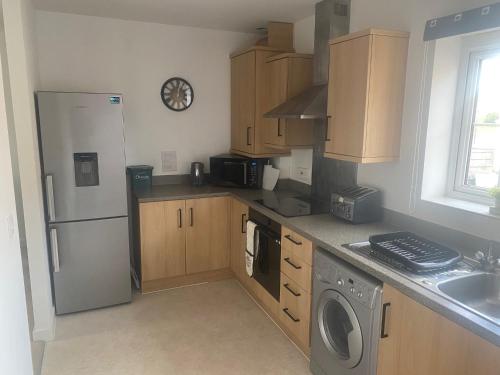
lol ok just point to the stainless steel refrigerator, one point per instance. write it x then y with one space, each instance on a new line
83 164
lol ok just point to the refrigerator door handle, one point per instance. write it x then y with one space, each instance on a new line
49 184
55 249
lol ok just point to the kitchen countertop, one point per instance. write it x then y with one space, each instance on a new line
331 234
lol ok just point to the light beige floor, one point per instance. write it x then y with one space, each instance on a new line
211 328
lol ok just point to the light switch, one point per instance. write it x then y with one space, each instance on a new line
169 161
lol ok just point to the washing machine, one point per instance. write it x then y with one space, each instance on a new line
345 323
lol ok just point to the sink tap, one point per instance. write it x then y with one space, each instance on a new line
487 260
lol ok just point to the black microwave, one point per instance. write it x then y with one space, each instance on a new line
237 171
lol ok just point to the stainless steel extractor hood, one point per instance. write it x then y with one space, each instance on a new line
308 105
332 19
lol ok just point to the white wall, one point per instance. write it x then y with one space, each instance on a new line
399 180
15 355
92 54
304 35
23 80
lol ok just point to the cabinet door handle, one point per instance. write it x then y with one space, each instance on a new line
279 128
191 216
51 207
287 286
248 136
180 217
289 238
243 223
385 306
292 264
54 246
327 138
294 319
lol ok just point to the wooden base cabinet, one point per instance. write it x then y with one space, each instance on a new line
365 96
420 341
163 233
239 217
296 286
207 234
184 242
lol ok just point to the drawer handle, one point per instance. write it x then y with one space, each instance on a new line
243 223
327 132
383 334
294 319
289 238
287 286
292 264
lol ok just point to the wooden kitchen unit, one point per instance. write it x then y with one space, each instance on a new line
183 242
190 241
296 287
249 102
239 217
420 341
289 75
365 96
293 311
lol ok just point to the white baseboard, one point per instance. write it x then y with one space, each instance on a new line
46 333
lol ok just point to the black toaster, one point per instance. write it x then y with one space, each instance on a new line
357 204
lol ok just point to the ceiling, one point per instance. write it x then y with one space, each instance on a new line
234 15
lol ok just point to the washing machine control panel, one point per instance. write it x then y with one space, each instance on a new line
352 283
354 288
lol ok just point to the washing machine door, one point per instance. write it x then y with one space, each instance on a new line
339 328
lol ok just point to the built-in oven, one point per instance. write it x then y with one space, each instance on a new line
237 171
267 240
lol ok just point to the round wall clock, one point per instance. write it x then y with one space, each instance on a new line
177 94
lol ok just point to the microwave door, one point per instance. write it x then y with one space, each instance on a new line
235 172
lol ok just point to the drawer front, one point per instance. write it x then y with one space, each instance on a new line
295 309
300 247
296 269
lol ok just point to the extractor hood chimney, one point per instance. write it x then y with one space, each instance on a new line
332 18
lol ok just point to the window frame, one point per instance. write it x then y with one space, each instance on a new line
465 108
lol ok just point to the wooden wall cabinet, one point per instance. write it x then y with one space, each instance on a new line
184 242
249 102
365 96
421 341
289 75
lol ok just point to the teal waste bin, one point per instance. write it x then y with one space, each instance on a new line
140 177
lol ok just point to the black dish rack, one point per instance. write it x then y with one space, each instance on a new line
413 252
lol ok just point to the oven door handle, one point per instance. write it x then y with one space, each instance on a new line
256 246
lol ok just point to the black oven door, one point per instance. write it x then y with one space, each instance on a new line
267 260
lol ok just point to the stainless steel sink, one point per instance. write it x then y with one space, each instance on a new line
480 292
466 285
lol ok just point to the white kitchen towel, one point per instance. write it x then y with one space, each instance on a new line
250 253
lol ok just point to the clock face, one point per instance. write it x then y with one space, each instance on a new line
177 94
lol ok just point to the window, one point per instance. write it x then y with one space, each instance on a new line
477 158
